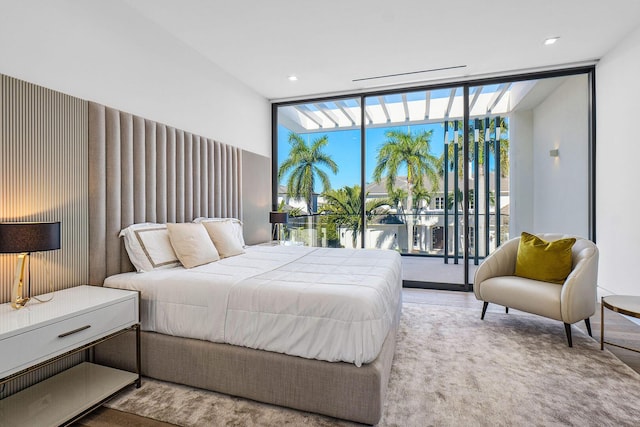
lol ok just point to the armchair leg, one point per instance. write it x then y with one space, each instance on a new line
484 309
567 329
587 322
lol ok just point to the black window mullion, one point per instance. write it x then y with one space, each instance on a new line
465 182
363 198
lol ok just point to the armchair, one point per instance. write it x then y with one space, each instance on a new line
570 302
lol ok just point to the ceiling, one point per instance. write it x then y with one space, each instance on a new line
340 46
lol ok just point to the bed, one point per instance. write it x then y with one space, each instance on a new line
350 384
308 328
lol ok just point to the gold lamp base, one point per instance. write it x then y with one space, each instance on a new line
17 300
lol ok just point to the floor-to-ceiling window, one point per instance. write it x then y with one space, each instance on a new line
447 172
319 173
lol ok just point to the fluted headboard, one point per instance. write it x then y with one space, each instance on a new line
143 171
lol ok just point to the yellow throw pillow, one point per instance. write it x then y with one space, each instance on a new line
545 261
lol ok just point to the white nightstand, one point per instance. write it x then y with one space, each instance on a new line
39 334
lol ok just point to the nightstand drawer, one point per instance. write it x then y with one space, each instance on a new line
37 345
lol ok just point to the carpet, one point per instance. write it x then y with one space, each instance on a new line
450 369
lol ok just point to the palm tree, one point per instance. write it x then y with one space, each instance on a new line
396 196
413 151
450 198
419 194
404 149
293 212
305 164
343 208
504 148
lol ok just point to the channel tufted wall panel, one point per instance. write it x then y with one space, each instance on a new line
143 171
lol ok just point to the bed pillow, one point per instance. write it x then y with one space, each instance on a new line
224 237
192 244
237 225
148 246
538 259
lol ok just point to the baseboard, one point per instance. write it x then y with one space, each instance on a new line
436 285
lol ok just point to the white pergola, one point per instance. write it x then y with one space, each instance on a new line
421 107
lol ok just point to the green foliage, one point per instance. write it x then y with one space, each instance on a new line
418 194
342 208
504 147
331 229
293 212
305 165
410 150
450 198
396 195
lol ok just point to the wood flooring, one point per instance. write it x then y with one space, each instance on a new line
618 329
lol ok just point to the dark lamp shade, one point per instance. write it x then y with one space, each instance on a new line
278 217
17 237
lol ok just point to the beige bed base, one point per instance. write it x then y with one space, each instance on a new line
336 389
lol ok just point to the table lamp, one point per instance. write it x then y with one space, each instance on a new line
278 218
23 238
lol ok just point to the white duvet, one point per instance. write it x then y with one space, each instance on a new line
318 303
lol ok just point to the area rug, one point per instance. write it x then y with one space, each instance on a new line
450 369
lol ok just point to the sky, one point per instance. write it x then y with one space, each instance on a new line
344 148
344 145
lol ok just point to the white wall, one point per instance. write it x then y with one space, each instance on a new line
560 185
256 198
550 195
520 172
618 167
95 51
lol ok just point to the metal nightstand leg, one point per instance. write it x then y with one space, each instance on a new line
138 358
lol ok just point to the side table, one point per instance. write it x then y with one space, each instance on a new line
75 320
628 305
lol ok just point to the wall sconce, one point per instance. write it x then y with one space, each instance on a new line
278 218
23 238
554 153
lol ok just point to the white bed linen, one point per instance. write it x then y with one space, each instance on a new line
319 303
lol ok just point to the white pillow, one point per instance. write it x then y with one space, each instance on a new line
148 246
224 236
192 244
237 224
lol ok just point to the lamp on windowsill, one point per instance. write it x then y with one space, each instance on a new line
278 218
23 238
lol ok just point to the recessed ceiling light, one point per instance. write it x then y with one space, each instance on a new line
293 78
551 40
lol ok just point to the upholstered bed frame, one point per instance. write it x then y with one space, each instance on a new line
142 171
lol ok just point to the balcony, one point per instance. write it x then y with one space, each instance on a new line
392 232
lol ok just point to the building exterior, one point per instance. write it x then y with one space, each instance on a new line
391 226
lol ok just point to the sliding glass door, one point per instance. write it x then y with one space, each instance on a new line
405 155
445 172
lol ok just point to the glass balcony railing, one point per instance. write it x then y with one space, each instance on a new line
427 231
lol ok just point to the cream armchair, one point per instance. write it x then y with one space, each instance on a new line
571 302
